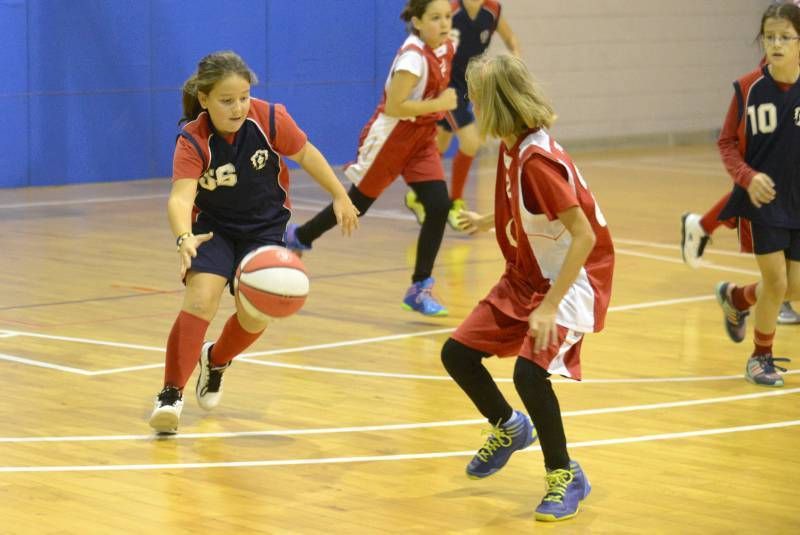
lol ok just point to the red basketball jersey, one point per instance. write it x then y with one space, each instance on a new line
534 242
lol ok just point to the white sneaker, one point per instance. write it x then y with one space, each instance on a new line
167 411
209 382
693 239
787 315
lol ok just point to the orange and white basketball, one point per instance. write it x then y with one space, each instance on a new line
271 281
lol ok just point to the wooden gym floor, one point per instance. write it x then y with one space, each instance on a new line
341 418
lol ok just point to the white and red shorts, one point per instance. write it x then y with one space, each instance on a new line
388 148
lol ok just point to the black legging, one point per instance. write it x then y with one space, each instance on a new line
433 196
464 364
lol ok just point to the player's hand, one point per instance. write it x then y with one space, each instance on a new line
188 250
542 323
346 214
448 99
472 222
761 190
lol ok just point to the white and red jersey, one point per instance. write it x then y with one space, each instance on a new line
536 180
432 67
389 146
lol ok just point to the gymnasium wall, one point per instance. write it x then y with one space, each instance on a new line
633 71
90 88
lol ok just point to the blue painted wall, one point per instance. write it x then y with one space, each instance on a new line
90 90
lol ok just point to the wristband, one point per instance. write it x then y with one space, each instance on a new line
181 238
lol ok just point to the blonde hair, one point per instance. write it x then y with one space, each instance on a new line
506 97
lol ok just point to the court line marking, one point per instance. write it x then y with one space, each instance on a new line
390 427
248 357
388 458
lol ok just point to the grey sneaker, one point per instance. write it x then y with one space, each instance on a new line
787 315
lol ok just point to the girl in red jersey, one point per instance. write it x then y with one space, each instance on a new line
759 144
400 139
474 24
556 285
229 196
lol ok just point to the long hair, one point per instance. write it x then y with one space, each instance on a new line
210 70
506 97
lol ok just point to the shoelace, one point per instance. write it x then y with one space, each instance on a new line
556 484
768 365
498 438
169 396
214 379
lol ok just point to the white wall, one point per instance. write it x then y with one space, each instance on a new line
630 69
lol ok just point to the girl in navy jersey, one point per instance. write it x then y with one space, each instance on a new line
229 196
556 285
400 139
759 143
474 24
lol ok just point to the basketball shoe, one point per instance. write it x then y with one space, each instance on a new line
564 492
516 434
693 239
413 204
787 315
208 389
455 210
167 410
734 318
761 370
291 241
419 298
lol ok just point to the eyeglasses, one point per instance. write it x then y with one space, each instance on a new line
778 39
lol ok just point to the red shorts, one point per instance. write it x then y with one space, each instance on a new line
490 330
389 148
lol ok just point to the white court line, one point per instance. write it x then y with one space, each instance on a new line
706 265
390 427
387 458
671 247
95 200
40 364
247 357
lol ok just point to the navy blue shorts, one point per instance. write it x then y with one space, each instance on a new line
222 254
459 117
767 239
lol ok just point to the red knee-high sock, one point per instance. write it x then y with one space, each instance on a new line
461 165
233 340
709 221
183 348
743 297
763 342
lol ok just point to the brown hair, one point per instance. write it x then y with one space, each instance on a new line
414 8
508 100
210 70
787 10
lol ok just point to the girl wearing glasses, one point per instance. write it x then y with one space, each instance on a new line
759 147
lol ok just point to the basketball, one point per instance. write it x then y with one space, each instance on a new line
271 281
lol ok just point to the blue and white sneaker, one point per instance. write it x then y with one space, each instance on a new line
734 318
762 370
292 243
564 492
516 434
419 298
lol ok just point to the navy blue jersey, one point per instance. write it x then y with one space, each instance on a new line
769 141
471 36
244 186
